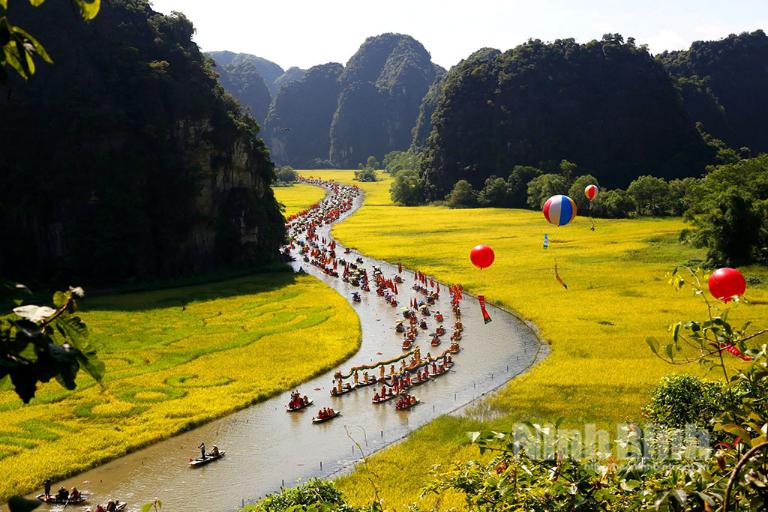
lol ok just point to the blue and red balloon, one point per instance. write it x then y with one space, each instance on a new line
559 210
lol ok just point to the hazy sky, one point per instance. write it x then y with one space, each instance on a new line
309 32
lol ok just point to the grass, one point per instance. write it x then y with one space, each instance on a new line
298 197
600 369
175 358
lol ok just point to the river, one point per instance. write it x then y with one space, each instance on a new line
267 447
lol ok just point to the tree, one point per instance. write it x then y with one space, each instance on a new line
286 174
407 188
651 195
734 231
495 193
613 204
462 195
368 175
545 186
678 192
576 192
372 163
729 209
517 183
396 161
19 48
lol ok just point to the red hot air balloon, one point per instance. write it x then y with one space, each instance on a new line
725 283
482 256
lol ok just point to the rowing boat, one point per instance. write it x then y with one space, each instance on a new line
385 399
344 391
405 407
52 499
300 407
200 461
327 418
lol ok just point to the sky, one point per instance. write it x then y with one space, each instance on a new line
305 33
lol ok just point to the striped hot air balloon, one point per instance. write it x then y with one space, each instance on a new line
591 191
559 210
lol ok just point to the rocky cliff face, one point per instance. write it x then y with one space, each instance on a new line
382 88
298 124
125 160
243 81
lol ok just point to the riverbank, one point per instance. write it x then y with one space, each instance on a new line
176 358
600 369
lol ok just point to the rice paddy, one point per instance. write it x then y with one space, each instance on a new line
600 369
298 197
175 358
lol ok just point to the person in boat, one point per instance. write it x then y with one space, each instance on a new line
376 397
411 400
215 451
111 506
74 494
305 401
202 450
47 486
99 508
62 494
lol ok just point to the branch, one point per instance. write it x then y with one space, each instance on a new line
732 480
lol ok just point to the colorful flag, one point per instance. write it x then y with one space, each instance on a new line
486 316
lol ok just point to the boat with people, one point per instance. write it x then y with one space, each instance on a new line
440 331
386 395
346 388
406 401
407 344
202 461
326 414
111 506
298 402
439 316
399 327
435 341
63 499
355 297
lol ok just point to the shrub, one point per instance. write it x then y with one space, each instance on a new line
286 174
366 175
462 195
680 400
407 189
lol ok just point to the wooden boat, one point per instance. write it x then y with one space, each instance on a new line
344 391
356 297
119 506
439 317
407 344
385 399
405 407
440 330
399 327
288 408
196 463
371 381
455 348
423 325
435 341
418 382
327 418
52 499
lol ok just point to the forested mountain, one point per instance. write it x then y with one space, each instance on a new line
125 159
428 105
243 81
382 88
607 105
724 85
268 70
297 128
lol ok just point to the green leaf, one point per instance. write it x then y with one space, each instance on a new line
653 344
89 8
39 49
668 351
36 3
146 507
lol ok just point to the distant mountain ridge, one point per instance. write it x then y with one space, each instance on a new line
369 107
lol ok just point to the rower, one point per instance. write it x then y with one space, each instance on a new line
47 485
215 451
202 450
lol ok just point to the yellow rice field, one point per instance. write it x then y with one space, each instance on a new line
175 358
600 369
298 197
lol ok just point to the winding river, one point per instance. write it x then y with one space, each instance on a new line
267 448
